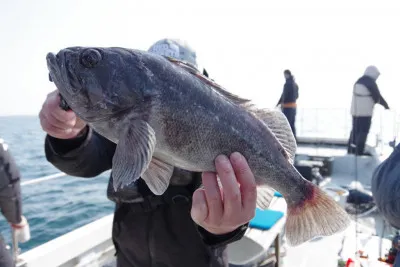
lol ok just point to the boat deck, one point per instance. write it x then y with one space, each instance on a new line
363 232
91 244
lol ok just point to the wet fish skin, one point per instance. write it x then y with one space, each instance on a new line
161 116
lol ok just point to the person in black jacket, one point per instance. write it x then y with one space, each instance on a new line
10 202
187 225
288 99
385 187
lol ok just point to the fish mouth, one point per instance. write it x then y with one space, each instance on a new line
60 72
70 86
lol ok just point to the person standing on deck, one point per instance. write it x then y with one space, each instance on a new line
365 95
10 202
288 99
187 225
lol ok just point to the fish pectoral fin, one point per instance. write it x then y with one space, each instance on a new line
158 176
133 153
264 196
280 127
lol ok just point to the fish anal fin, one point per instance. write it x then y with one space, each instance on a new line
265 194
158 176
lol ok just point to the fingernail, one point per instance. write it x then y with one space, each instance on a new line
71 122
221 158
236 156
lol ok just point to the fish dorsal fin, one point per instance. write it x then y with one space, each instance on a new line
275 120
279 126
231 97
216 87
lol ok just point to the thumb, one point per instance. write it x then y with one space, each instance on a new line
199 210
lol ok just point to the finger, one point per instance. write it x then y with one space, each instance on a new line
53 107
58 132
54 131
232 197
199 211
58 123
245 177
213 197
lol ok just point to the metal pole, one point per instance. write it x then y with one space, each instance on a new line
277 250
15 246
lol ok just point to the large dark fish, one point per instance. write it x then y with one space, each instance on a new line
162 115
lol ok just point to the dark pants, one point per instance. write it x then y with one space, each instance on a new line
161 235
397 260
5 255
290 114
358 135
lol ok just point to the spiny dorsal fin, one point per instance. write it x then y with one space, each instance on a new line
232 97
279 126
275 120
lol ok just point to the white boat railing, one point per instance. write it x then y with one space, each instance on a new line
44 178
15 245
337 123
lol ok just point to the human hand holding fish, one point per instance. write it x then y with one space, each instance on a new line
57 122
223 210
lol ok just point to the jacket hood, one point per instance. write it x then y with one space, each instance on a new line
372 72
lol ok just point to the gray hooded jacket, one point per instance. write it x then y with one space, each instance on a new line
10 191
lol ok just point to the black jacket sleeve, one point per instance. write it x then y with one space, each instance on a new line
290 93
220 240
85 156
10 188
383 102
280 100
376 95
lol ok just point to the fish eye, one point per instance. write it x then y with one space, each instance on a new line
90 57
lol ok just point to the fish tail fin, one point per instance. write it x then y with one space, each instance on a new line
317 214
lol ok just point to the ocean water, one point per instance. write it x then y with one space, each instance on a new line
56 207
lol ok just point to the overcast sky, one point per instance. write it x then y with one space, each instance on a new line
245 47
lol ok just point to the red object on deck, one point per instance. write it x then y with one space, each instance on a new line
349 263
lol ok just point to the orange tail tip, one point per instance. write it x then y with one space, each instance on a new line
316 215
